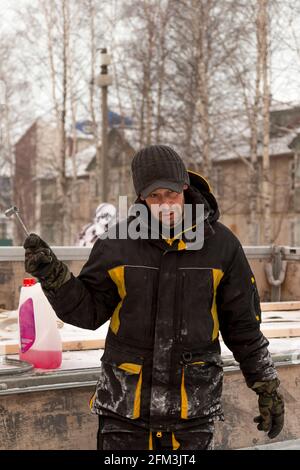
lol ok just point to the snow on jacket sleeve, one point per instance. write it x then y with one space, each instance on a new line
87 301
240 316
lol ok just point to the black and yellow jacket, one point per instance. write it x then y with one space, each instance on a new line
161 367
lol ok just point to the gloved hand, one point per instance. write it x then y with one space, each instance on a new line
41 262
271 407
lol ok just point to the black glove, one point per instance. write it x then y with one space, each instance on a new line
271 407
41 262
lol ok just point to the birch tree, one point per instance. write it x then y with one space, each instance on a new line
58 25
263 35
144 76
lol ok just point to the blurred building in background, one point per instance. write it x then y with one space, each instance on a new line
35 188
231 182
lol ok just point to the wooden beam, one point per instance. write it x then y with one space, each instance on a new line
279 331
70 345
272 306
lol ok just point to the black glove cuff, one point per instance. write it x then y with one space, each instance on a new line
56 278
268 388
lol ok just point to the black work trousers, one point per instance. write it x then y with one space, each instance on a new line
114 434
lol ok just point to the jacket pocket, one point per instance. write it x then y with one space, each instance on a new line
138 309
120 383
201 386
196 319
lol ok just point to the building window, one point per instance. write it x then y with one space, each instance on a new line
295 182
295 232
3 229
218 186
94 190
256 233
48 193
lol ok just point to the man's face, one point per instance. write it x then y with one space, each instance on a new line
166 205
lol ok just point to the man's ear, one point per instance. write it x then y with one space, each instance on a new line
185 186
142 198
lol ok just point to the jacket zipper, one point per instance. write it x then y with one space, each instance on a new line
155 305
179 319
154 296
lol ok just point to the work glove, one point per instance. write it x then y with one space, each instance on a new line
271 407
41 262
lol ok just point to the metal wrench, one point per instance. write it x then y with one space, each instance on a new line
15 211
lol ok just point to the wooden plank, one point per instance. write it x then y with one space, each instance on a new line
275 306
280 331
73 345
70 345
9 349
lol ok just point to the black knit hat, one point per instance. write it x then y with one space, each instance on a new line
158 166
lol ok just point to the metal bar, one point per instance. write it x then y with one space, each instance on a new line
81 253
14 366
253 252
290 253
65 253
35 381
276 268
42 388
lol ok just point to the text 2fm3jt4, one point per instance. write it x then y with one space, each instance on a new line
151 459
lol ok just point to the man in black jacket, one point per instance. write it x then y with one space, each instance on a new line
161 373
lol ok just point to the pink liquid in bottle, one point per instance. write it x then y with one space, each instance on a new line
42 359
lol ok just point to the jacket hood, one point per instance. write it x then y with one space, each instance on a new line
200 192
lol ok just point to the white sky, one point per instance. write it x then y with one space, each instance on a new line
6 14
285 75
